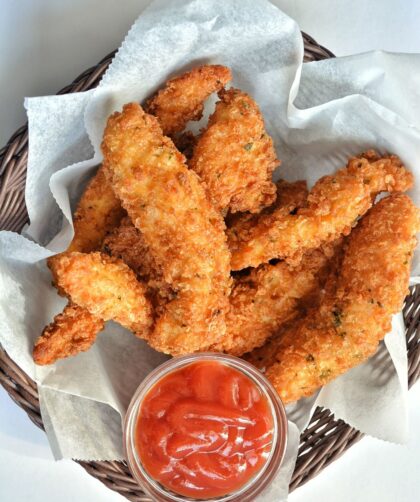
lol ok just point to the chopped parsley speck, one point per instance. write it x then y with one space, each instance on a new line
325 374
337 321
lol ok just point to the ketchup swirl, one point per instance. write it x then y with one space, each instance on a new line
204 430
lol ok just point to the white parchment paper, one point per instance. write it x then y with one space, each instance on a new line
318 114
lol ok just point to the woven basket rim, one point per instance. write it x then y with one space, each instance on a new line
322 442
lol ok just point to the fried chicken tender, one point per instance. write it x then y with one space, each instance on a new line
182 98
185 235
259 304
349 324
74 330
334 204
271 296
235 156
107 288
98 212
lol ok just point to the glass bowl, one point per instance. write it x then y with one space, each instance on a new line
278 447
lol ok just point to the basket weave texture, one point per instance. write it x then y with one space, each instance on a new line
323 441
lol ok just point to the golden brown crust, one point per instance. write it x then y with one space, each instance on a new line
183 232
265 356
72 331
347 327
182 98
290 197
334 205
75 329
107 288
269 297
127 243
235 157
97 213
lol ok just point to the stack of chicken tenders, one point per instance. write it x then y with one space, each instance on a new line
187 242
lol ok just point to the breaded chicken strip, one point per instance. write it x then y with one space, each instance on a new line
271 296
74 330
184 233
259 304
107 288
235 156
182 98
98 212
348 326
334 205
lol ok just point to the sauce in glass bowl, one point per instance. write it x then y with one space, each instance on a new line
205 427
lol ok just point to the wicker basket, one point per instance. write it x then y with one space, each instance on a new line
324 440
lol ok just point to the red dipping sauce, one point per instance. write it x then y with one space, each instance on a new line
204 430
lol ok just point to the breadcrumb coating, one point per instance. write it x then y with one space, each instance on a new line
74 330
333 207
265 356
98 212
235 156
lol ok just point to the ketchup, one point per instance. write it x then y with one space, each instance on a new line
204 430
